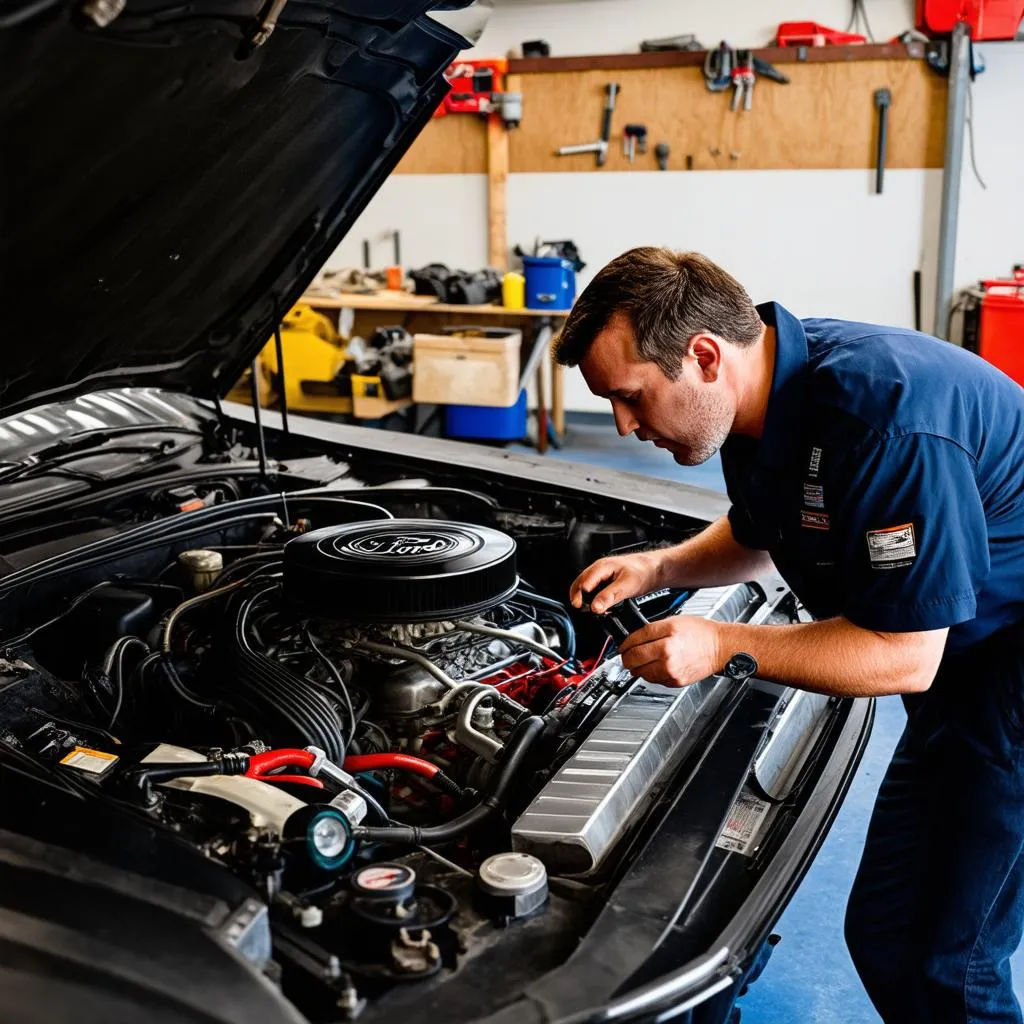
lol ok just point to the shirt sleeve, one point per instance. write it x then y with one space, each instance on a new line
912 539
744 529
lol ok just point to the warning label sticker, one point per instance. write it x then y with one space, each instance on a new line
86 759
744 822
892 547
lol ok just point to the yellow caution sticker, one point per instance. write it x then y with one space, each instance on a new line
85 759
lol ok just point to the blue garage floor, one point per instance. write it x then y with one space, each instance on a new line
810 977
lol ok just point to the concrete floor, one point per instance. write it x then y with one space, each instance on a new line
810 977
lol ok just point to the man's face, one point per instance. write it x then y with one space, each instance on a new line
690 416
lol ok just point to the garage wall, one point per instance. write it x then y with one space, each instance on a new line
819 241
618 26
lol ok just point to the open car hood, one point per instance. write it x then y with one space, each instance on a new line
170 186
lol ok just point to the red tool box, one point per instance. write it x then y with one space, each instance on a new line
988 19
994 323
810 33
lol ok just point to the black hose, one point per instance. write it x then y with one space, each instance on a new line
144 776
558 613
516 750
277 695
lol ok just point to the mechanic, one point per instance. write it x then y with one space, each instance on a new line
881 472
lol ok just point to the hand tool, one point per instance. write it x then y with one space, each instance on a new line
661 152
600 148
765 70
883 100
620 620
685 43
743 78
634 139
718 68
476 89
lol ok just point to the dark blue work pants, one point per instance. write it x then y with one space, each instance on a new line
937 907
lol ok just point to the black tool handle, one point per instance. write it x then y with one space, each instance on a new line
883 100
623 619
609 109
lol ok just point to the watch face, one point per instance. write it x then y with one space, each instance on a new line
741 666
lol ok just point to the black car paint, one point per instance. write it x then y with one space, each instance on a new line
175 188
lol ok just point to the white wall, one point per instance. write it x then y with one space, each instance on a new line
823 244
818 241
990 233
442 219
619 26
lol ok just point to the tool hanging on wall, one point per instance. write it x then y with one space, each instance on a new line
883 100
661 153
725 67
599 148
743 79
634 140
477 89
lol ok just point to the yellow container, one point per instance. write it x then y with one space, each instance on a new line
513 291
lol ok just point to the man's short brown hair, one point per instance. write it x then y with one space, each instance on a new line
668 297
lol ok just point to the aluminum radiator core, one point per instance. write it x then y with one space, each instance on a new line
580 814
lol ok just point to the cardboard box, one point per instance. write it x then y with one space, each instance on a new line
468 366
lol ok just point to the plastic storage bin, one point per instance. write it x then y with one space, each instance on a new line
550 282
487 422
468 366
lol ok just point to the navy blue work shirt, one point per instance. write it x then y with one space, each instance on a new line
888 484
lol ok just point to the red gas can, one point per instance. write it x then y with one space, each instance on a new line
1001 327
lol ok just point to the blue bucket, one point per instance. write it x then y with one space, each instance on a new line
486 422
550 282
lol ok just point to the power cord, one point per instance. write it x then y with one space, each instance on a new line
970 134
859 12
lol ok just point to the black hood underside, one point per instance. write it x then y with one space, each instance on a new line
169 188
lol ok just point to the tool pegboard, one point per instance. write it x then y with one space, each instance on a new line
824 119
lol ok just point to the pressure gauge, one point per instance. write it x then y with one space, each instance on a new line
393 882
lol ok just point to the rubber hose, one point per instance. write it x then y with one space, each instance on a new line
516 750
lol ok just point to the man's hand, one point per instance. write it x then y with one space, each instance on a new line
620 576
676 651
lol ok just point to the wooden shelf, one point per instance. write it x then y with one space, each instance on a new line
387 302
695 58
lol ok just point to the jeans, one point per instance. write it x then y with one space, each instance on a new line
937 907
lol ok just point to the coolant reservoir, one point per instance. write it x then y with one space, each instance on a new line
203 567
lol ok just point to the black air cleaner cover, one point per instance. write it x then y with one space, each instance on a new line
400 570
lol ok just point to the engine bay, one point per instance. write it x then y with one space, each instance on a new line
373 706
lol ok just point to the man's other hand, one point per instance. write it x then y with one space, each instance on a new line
676 651
615 578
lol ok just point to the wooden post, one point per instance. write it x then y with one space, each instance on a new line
497 193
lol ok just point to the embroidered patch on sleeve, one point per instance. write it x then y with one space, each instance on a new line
892 547
815 462
814 520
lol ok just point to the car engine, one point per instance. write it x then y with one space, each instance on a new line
320 693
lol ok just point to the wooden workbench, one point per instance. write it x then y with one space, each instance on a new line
420 312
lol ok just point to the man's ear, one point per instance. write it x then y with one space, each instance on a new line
706 349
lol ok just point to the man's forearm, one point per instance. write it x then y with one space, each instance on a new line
714 558
836 657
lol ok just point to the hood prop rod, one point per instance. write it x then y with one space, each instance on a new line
282 390
261 441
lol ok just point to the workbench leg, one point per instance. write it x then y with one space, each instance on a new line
542 410
558 399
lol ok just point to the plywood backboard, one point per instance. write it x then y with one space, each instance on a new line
825 118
